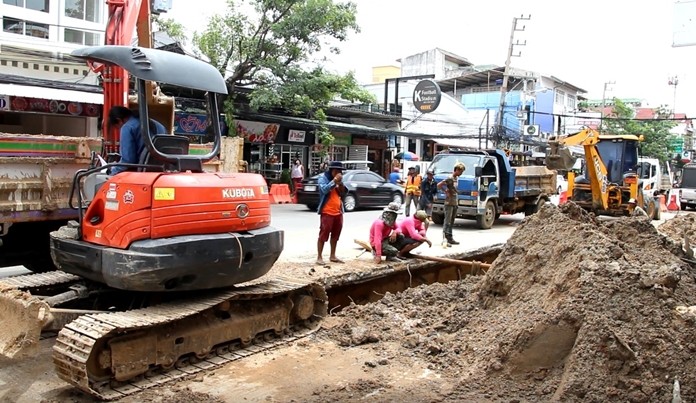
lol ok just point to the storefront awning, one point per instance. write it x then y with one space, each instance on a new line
30 91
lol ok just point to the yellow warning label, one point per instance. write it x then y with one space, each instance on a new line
164 193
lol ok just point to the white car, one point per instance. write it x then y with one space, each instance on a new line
562 183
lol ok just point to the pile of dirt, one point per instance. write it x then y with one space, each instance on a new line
573 309
677 227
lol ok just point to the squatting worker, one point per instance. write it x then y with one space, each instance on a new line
449 186
637 211
414 230
385 238
331 193
132 142
412 189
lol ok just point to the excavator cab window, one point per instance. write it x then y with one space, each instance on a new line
619 157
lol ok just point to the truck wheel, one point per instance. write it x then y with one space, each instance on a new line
486 220
683 206
438 218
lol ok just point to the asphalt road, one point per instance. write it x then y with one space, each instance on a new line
301 228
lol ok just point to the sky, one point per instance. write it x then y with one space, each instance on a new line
586 43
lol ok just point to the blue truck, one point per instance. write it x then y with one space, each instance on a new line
491 186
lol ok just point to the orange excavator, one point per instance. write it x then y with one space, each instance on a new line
156 276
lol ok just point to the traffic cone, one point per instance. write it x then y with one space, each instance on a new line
563 197
673 201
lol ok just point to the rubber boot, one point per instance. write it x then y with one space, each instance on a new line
451 241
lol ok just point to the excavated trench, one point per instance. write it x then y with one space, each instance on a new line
371 286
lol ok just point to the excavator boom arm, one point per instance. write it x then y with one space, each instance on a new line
559 158
125 17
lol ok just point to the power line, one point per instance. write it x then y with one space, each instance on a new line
610 118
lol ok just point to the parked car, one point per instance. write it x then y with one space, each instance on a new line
365 189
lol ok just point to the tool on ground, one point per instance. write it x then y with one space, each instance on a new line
474 264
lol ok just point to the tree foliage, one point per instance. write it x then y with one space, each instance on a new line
268 46
174 29
656 133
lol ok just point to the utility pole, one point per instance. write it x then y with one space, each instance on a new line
604 103
503 89
673 81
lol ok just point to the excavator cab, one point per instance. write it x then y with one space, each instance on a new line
620 155
168 225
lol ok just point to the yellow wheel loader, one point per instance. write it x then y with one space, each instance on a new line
609 179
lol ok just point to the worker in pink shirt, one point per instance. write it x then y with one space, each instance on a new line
414 230
385 238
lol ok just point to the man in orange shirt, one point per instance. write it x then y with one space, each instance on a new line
413 189
331 192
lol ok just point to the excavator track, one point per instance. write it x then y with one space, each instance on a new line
38 281
112 355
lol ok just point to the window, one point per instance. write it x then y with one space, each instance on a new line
559 97
571 101
81 37
88 10
38 5
27 28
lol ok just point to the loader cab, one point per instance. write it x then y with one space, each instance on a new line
620 156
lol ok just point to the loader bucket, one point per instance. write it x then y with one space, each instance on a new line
559 157
22 317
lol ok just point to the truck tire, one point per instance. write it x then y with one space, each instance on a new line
438 218
486 220
530 209
683 206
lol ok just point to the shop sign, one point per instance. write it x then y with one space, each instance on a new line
4 103
190 123
427 96
25 104
297 136
256 132
342 139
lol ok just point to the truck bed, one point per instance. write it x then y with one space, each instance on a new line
36 172
534 180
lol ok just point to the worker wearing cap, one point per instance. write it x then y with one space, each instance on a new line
636 210
428 192
414 231
412 189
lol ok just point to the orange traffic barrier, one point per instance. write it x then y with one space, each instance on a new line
673 201
563 197
280 193
663 203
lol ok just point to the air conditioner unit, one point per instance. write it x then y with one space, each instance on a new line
531 130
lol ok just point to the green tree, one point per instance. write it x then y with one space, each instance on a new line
656 133
174 29
270 50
